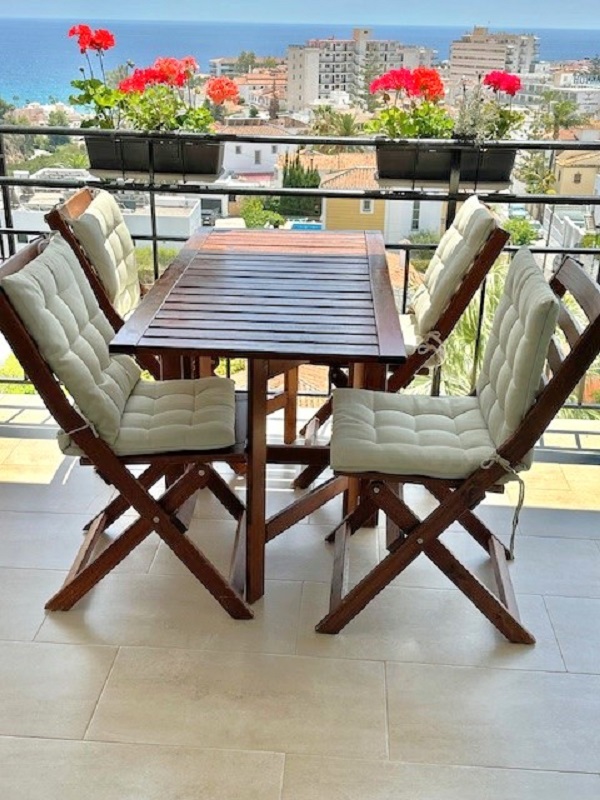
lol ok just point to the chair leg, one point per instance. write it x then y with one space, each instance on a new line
158 515
423 537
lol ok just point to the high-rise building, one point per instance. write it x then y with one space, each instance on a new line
481 51
324 66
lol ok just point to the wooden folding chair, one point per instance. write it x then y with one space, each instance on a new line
462 259
93 225
51 319
459 448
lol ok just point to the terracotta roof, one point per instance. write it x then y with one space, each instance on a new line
255 129
583 158
325 162
356 178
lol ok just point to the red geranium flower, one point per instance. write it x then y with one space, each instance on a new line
503 82
102 40
221 89
84 36
395 80
427 83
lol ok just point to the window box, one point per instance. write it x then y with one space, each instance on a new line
409 162
192 157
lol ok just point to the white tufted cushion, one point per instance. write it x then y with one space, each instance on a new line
449 437
517 347
450 263
56 303
167 416
102 233
401 434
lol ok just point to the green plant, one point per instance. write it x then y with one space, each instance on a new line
161 97
255 215
521 231
481 112
12 370
412 105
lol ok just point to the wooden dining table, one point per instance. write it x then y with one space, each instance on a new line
315 297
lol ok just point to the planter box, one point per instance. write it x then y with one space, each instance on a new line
411 163
170 155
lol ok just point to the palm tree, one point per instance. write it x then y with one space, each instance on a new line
559 114
328 122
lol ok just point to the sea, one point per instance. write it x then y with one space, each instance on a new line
38 61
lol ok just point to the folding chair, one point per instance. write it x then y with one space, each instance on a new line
459 448
464 256
93 225
52 320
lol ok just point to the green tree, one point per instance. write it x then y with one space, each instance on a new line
270 63
559 114
327 122
370 70
419 259
246 62
521 231
255 215
274 105
297 176
57 118
6 108
536 174
253 112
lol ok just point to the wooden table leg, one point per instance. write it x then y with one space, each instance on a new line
256 479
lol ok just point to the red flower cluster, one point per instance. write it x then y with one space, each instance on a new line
421 82
88 39
169 71
221 89
503 82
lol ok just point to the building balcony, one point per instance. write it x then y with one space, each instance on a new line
146 689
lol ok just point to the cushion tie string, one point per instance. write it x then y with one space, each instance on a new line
507 467
83 428
433 344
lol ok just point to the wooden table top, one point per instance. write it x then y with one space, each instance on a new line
316 296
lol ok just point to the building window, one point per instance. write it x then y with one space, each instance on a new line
416 216
366 207
274 148
577 177
257 157
238 149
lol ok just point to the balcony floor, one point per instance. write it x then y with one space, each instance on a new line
146 690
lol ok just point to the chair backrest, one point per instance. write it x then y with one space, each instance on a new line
92 223
48 309
544 339
452 260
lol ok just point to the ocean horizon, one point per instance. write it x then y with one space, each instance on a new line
39 61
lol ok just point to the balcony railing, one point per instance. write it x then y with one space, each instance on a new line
450 194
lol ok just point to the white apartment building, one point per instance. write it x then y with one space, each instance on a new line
322 67
577 87
481 51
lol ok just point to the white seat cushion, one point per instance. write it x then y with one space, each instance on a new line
174 415
401 434
102 233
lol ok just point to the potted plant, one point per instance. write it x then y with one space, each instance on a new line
413 109
159 99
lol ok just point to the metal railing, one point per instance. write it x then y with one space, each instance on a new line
151 184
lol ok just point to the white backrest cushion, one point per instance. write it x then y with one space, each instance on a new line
517 348
105 238
451 261
56 303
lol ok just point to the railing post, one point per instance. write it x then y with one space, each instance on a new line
153 209
8 218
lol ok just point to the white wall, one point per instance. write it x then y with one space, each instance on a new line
244 161
399 216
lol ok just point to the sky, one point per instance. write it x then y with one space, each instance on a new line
507 14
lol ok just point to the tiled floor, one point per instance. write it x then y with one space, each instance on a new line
146 690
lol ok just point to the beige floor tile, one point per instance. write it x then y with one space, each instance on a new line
23 593
175 611
572 499
313 778
51 540
50 690
553 566
36 769
6 447
33 452
575 523
494 717
67 488
243 701
576 622
428 626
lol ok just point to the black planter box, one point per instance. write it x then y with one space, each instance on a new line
412 163
170 155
